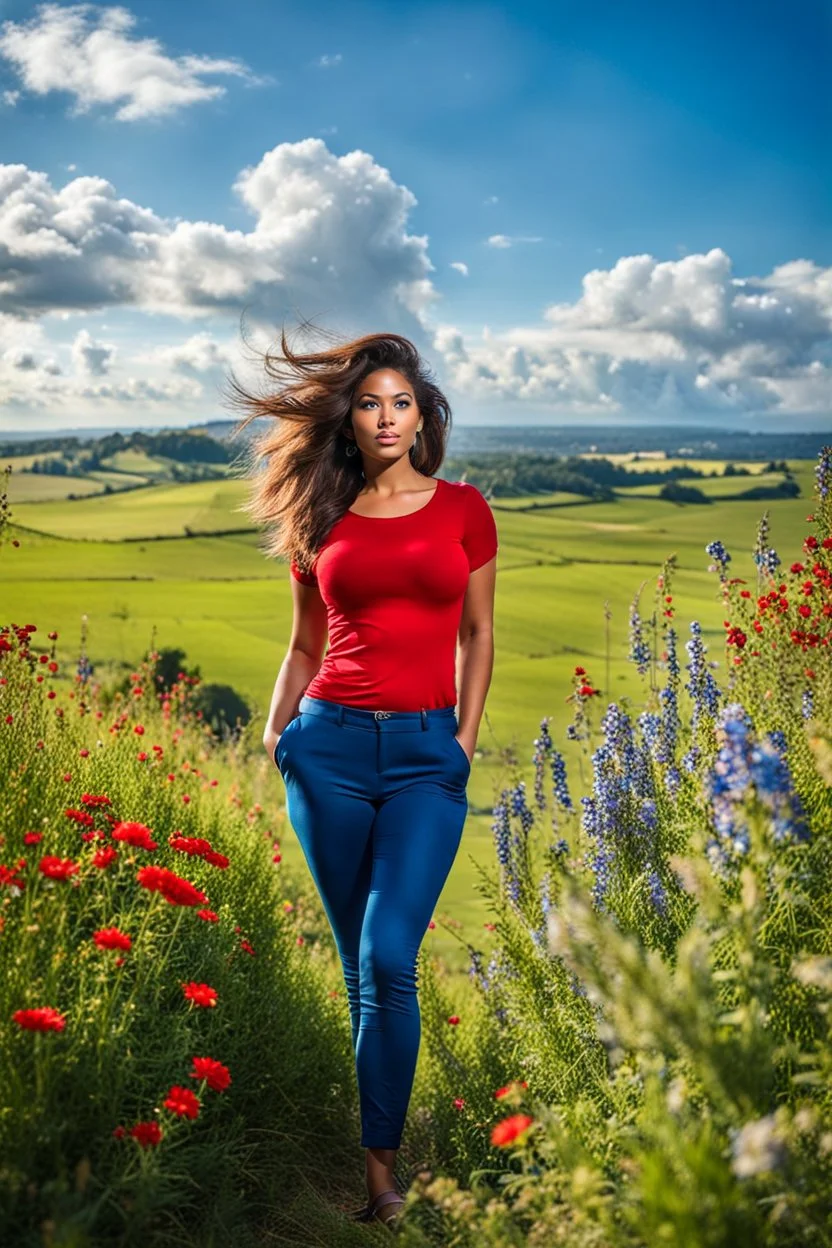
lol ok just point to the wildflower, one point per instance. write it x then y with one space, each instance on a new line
217 1076
182 1102
510 1129
55 868
757 1148
93 799
136 834
80 816
453 1020
147 1134
104 857
200 994
639 650
41 1018
718 552
701 685
174 889
112 938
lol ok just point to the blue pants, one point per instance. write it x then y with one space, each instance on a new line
377 800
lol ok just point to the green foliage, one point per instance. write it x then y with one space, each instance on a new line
660 995
129 1034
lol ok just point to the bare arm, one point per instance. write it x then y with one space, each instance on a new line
475 653
303 659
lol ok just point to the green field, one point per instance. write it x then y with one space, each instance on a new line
229 608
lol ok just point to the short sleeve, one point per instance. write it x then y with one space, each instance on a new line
305 578
480 537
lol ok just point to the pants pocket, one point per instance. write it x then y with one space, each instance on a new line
459 753
283 740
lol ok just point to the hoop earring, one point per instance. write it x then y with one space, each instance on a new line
352 449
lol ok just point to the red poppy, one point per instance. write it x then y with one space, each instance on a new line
200 994
510 1129
217 1076
112 938
182 1102
134 834
55 868
42 1018
148 1134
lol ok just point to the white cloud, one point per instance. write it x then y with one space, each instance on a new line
664 338
329 234
507 240
671 339
91 359
90 52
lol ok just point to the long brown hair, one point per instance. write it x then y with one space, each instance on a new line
302 479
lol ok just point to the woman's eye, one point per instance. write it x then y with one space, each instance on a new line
370 403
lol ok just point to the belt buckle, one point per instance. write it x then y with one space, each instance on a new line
382 714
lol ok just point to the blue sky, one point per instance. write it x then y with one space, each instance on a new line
605 213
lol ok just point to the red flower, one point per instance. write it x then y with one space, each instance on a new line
197 846
103 857
81 816
247 948
182 1101
147 1133
459 1102
10 875
580 671
42 1018
174 889
736 637
210 916
217 1076
55 868
112 938
93 799
510 1129
200 994
453 1020
134 834
32 838
510 1087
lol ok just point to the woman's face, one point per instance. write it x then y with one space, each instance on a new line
384 403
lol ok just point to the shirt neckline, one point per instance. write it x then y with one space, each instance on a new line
357 516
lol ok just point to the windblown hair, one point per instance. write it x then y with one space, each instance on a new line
302 479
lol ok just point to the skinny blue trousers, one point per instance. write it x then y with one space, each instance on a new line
377 800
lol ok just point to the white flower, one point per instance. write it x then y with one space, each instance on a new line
757 1148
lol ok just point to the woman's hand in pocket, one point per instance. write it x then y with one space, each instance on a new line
270 741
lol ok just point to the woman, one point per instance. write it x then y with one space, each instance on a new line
397 568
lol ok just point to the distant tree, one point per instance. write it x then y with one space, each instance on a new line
223 709
675 492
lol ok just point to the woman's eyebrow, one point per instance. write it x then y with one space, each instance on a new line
368 394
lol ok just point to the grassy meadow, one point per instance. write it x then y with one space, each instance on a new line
624 994
123 561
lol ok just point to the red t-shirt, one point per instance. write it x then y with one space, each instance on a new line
394 588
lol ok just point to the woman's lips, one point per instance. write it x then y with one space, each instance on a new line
387 437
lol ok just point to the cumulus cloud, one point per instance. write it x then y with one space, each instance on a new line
663 338
644 338
92 359
329 234
91 53
201 353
